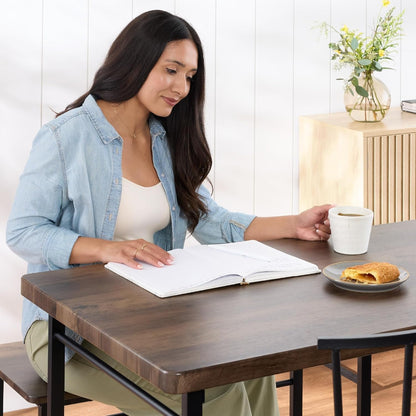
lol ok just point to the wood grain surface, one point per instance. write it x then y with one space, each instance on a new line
200 340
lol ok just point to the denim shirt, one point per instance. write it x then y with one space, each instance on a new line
71 187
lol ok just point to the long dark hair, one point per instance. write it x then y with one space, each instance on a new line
129 61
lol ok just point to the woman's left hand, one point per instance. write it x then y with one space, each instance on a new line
313 224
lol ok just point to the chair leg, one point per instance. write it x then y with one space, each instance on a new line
364 386
296 393
407 380
336 382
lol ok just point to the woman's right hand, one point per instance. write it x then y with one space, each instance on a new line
91 250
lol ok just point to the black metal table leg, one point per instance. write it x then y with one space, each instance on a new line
296 393
56 369
43 409
407 380
192 403
1 396
364 386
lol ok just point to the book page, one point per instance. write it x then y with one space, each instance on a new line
250 248
192 267
203 266
276 264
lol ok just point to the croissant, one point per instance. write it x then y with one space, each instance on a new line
373 273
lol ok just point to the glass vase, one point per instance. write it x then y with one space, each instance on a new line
371 108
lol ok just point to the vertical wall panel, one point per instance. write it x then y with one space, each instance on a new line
140 6
311 59
65 43
408 51
20 83
311 71
20 95
101 34
234 150
353 14
201 15
273 108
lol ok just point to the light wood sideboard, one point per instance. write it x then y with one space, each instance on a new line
342 161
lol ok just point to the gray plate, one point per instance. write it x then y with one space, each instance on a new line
333 273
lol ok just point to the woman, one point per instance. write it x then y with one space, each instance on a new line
118 176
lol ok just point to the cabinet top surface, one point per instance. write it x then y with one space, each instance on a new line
396 121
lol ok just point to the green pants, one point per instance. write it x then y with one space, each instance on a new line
250 398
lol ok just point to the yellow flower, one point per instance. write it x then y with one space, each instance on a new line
381 53
386 3
345 28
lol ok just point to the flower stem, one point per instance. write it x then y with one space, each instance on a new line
371 103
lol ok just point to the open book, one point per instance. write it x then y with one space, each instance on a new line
205 267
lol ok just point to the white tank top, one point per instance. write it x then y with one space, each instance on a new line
143 211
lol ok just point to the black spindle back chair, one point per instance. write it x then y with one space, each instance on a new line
386 340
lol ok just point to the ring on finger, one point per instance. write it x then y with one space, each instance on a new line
135 253
144 245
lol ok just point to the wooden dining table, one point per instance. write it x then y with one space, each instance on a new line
186 344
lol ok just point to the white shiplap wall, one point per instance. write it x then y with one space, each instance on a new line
265 67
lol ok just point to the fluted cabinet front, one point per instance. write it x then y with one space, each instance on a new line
366 164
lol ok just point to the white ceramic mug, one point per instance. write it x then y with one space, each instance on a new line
350 229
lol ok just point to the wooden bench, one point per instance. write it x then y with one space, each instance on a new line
17 371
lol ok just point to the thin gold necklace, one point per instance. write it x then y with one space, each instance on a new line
132 135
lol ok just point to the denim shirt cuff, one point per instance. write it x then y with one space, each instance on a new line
239 222
58 248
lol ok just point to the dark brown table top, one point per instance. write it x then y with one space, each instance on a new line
196 341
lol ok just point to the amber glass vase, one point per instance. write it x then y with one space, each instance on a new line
371 108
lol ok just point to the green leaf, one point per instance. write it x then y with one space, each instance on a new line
354 81
377 66
361 91
364 62
354 44
358 71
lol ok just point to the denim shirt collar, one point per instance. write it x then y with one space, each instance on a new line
106 131
156 128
